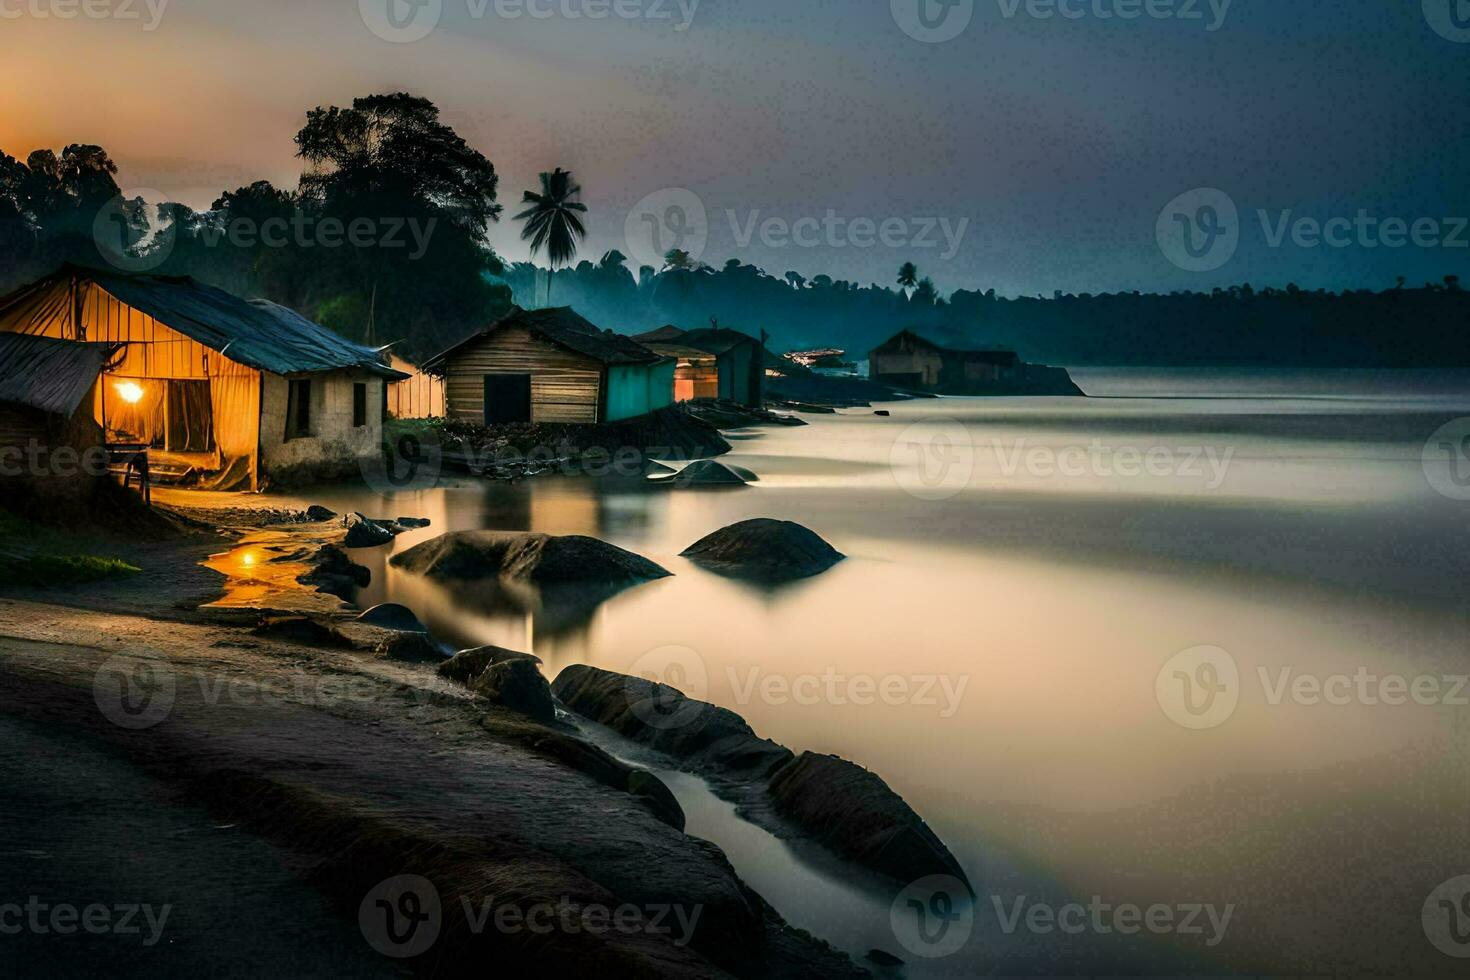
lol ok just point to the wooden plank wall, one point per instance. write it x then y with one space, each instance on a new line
564 386
420 397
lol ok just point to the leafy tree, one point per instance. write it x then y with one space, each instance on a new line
908 276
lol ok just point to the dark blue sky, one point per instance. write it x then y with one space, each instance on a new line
1052 143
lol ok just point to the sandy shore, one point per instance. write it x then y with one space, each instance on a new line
265 792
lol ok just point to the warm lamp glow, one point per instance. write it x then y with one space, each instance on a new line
131 391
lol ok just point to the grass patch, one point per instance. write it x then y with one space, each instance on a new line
42 571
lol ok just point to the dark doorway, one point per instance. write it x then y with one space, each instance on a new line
507 398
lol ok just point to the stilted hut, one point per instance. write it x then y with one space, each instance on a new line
551 366
236 391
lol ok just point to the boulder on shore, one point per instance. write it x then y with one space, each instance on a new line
466 666
825 799
534 559
410 648
765 551
664 719
853 812
519 686
392 616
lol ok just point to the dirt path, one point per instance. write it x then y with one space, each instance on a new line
355 771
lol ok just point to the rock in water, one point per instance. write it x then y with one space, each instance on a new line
316 512
364 533
466 666
519 686
883 413
335 574
413 522
707 473
764 550
852 811
392 616
535 559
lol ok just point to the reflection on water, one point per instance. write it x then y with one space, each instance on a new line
1013 613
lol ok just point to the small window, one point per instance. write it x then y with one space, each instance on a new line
359 404
298 409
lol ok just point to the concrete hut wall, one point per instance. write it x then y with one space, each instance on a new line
637 389
335 445
738 380
565 386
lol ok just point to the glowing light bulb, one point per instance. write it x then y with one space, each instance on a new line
131 391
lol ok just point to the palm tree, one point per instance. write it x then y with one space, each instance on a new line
552 222
908 276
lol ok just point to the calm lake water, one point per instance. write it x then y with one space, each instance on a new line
1117 651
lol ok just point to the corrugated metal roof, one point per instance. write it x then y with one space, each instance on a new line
255 333
51 375
565 327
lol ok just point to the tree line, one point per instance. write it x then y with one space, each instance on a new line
385 239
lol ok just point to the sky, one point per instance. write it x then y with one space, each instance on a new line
1026 146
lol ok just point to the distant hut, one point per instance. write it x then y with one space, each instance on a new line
551 366
696 372
236 391
418 396
907 360
739 361
51 447
910 361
